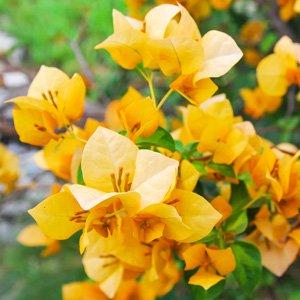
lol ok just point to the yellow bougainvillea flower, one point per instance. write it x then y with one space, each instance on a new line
214 264
82 290
278 250
212 124
288 9
257 103
113 171
32 236
252 32
195 92
285 182
163 273
52 103
277 71
134 113
107 260
163 42
9 170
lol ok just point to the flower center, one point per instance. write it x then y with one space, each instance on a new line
121 181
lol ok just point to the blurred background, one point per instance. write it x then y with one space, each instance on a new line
63 34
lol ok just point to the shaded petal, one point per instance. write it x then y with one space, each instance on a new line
155 176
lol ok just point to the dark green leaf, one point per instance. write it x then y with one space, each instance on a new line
160 138
239 195
237 222
248 266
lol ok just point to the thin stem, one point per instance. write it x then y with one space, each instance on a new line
250 203
149 80
221 238
151 88
164 99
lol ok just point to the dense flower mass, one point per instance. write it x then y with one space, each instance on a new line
160 200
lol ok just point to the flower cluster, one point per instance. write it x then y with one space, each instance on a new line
157 198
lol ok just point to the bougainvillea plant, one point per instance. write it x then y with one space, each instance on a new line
187 199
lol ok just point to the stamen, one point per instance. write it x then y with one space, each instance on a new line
127 184
52 99
120 177
44 96
114 182
106 256
173 201
110 264
136 127
40 128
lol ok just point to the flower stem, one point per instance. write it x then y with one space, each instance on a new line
149 80
164 99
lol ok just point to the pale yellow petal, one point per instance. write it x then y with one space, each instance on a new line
47 79
106 153
158 19
32 236
221 53
89 197
155 176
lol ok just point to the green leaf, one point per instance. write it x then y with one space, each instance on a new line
80 179
268 42
239 195
200 167
248 266
237 222
199 293
223 169
160 138
246 177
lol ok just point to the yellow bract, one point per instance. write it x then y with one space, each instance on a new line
162 42
32 236
134 113
257 103
277 71
271 238
54 101
9 170
214 264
